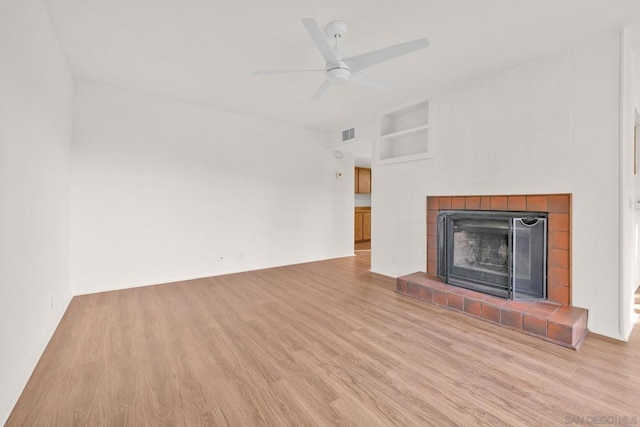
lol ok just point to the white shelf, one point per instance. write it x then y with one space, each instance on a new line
403 134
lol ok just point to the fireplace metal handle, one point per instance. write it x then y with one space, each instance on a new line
529 221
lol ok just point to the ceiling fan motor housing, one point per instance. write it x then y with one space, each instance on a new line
338 74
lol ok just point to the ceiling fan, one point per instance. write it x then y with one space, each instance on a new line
340 67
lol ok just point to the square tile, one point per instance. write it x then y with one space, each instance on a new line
519 306
455 301
558 258
413 289
559 294
517 203
558 276
425 294
542 309
444 203
494 301
490 312
473 307
537 203
432 267
511 319
535 325
485 203
559 203
558 239
439 297
458 203
498 203
472 202
558 222
432 216
401 285
432 202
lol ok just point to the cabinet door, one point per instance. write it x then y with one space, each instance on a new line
358 226
364 181
356 172
366 226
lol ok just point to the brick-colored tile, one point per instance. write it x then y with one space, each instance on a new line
511 319
444 203
498 203
542 309
559 294
537 203
425 294
558 240
432 216
421 279
520 306
441 286
558 276
561 333
432 267
439 297
413 289
458 203
490 312
455 301
558 258
568 315
432 229
401 285
432 255
478 296
432 241
485 203
558 222
472 202
559 203
517 203
459 291
494 301
535 325
473 307
432 203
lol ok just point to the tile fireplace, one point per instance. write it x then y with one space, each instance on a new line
505 259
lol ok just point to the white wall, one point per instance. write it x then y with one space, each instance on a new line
162 189
550 126
35 123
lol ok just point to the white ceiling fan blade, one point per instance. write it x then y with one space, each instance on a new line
366 60
258 73
321 42
320 90
366 79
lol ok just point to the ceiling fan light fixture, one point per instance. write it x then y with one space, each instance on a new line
338 75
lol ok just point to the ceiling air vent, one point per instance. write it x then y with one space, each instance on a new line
348 134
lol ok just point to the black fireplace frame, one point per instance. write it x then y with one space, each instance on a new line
488 284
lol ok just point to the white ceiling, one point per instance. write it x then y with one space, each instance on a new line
203 51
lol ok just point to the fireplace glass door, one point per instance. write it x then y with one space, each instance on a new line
497 253
529 255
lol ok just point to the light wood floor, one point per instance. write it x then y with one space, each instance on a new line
324 343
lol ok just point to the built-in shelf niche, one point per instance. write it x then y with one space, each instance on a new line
404 134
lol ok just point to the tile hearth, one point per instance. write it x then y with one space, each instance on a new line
558 323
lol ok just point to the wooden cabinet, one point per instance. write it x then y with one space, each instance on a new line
362 180
362 224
